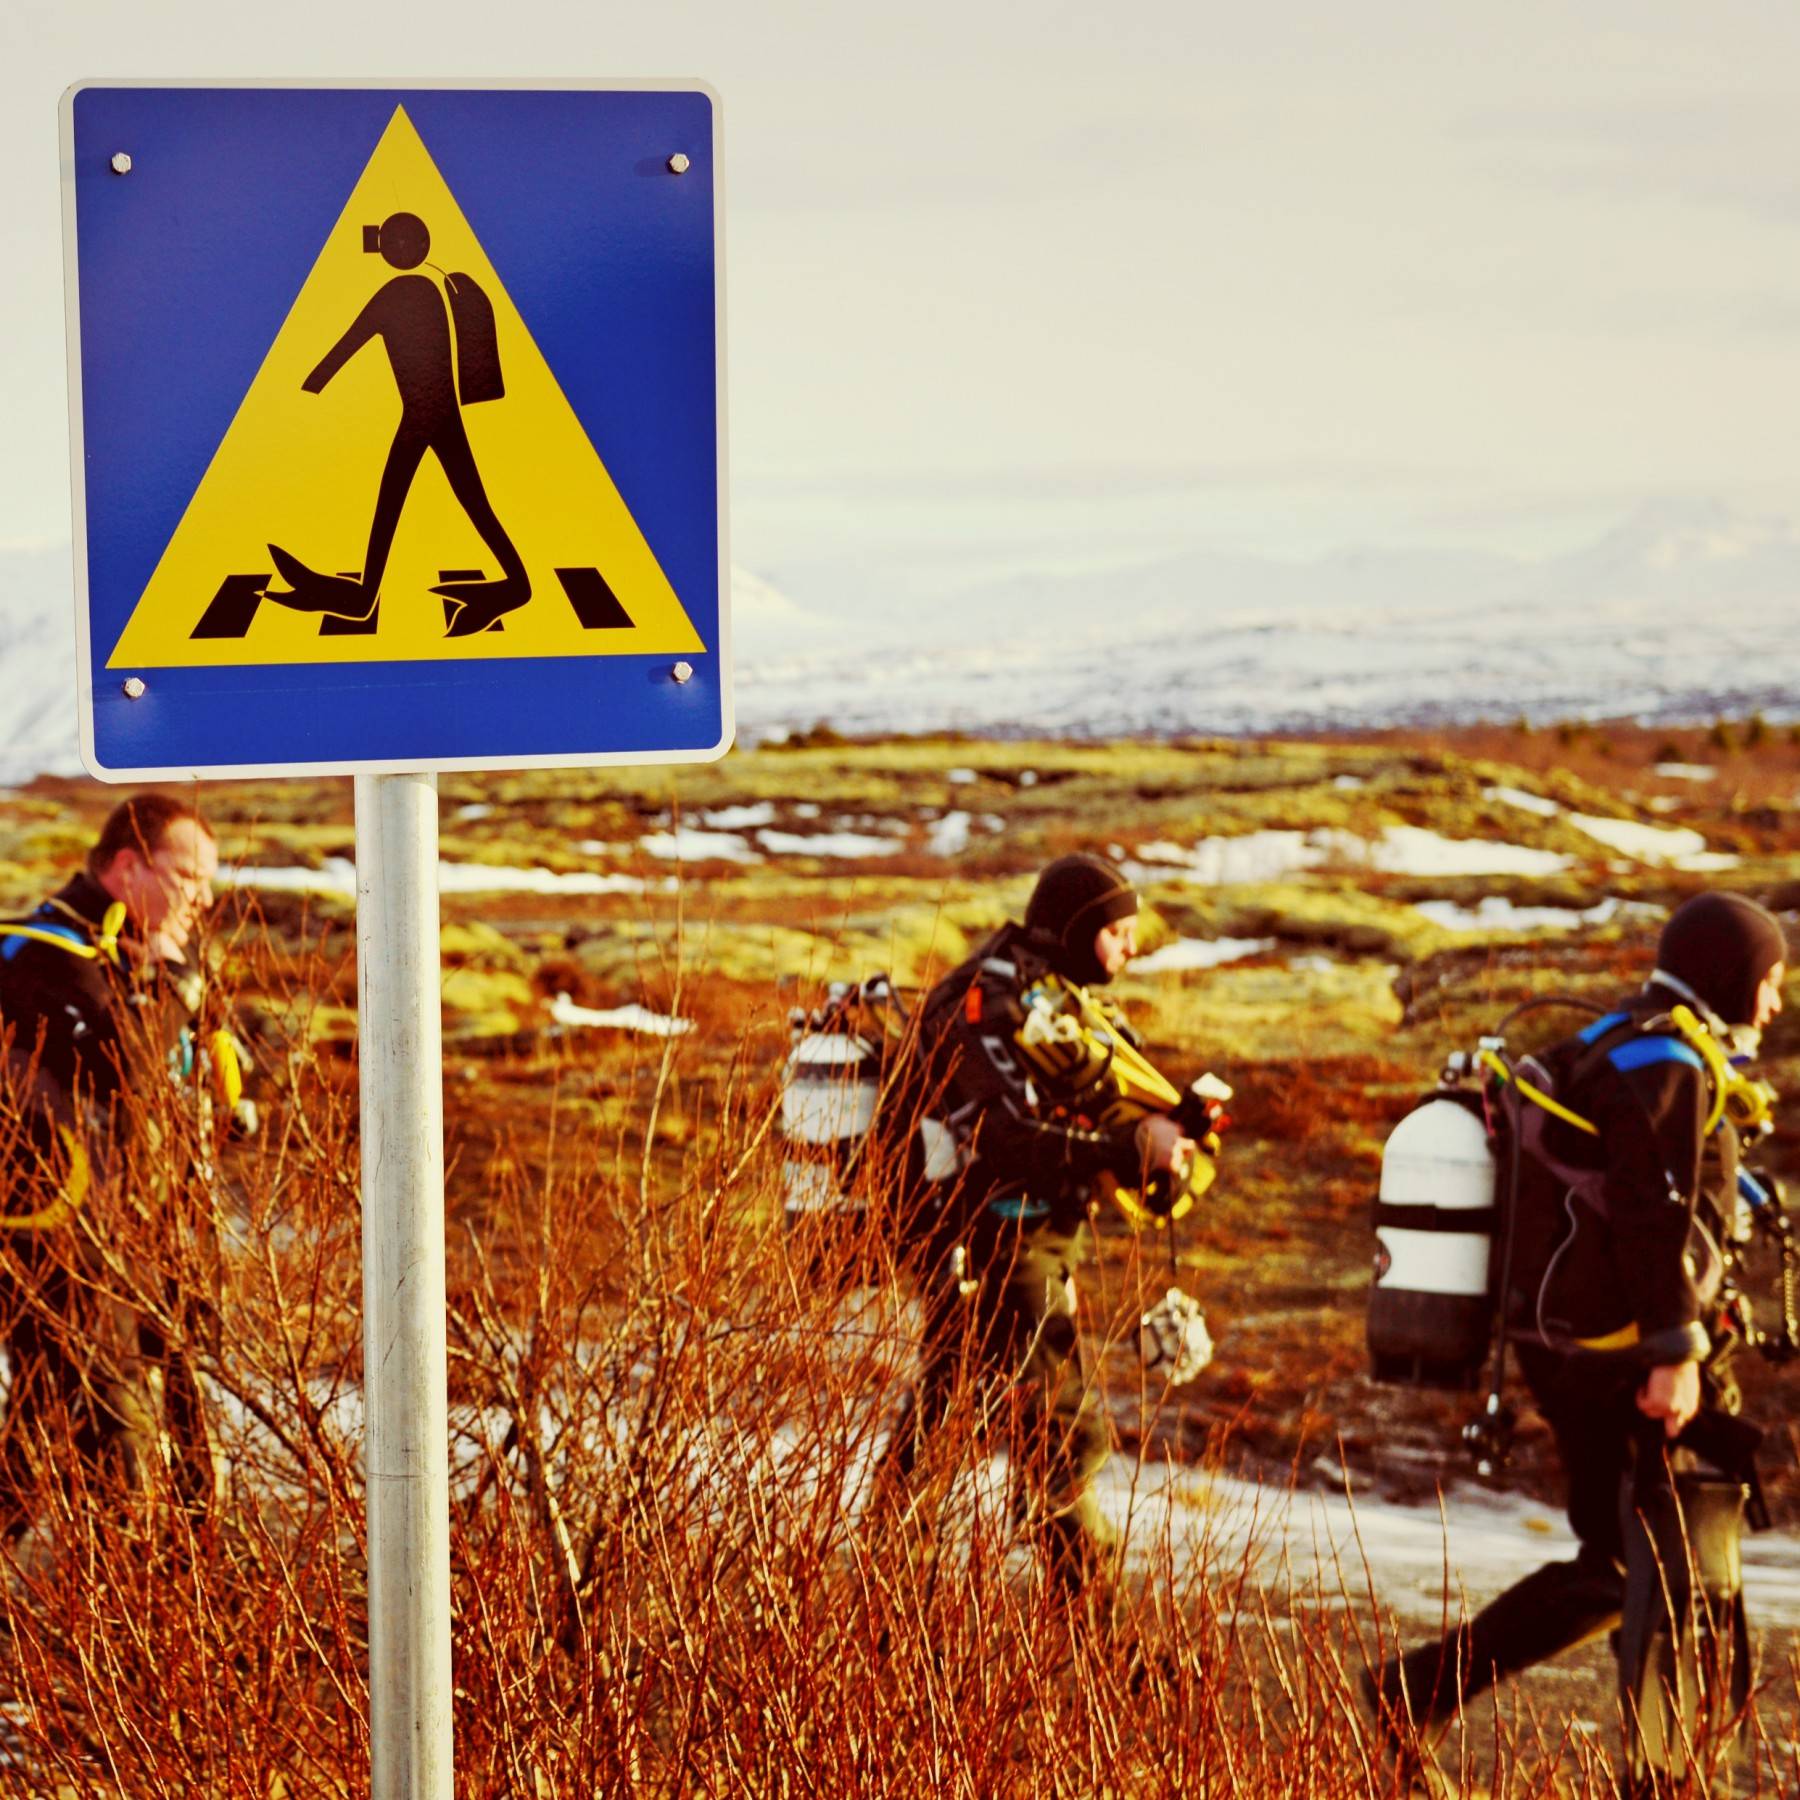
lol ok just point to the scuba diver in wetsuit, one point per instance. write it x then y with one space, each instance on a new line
1002 1226
100 1011
1613 1311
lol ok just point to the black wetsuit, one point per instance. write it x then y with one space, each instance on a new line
1003 1310
82 1034
1633 1265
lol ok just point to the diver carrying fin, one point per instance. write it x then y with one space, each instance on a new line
435 383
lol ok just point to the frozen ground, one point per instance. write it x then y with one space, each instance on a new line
1200 953
1317 1544
1494 912
1350 1546
633 1017
337 875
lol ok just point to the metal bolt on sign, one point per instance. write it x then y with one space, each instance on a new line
121 162
134 687
683 672
679 164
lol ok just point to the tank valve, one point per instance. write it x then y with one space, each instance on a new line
1488 1436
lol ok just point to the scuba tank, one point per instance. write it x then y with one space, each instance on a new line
1430 1316
831 1088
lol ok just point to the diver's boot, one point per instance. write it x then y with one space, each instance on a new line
1406 1756
337 596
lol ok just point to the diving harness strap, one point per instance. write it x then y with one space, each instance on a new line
74 941
78 939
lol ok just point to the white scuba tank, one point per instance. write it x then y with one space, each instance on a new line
1430 1308
829 1090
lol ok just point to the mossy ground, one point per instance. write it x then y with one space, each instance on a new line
1327 1035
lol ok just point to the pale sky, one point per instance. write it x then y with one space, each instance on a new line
1078 285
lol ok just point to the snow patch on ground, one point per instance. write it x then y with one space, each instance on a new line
1680 771
1523 800
1260 856
1494 913
844 844
1328 1545
1411 850
687 844
949 836
952 834
1224 862
479 878
1655 844
1342 1545
740 818
1199 953
337 875
619 1018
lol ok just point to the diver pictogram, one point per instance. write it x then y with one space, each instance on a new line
435 382
323 532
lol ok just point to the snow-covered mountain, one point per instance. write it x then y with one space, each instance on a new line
1680 612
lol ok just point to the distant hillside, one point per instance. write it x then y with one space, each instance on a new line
1681 612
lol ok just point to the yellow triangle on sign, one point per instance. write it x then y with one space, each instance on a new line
506 536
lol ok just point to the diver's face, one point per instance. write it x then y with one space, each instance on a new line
168 891
1768 996
1116 944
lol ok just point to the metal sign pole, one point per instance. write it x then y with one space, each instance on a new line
407 1446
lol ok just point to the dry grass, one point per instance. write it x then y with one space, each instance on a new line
671 1573
668 1576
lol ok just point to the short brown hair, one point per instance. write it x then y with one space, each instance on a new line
141 824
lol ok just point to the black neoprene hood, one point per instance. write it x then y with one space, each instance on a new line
1722 946
1073 898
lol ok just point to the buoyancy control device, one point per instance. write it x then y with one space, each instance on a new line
1459 1219
1451 1232
68 1173
1090 1067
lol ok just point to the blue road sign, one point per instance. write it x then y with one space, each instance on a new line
397 426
